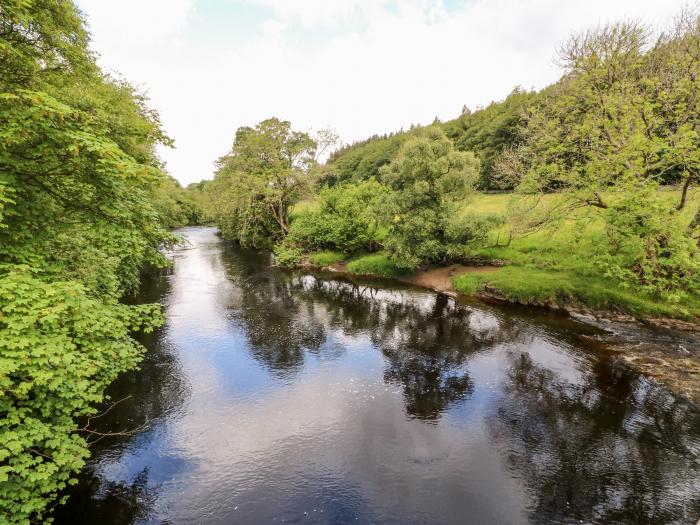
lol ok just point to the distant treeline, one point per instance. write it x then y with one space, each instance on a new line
486 131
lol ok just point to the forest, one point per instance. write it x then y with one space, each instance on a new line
581 194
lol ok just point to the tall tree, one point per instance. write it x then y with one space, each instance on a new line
428 180
268 169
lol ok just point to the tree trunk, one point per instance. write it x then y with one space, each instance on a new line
684 193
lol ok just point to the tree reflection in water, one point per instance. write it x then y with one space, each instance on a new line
425 338
122 503
424 341
612 449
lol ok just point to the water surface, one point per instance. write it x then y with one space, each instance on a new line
278 397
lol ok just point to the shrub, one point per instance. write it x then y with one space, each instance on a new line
287 256
648 244
345 219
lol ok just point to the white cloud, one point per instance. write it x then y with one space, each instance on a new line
313 13
361 67
134 23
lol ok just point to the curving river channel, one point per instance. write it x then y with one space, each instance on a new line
279 397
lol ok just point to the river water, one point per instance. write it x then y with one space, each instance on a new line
280 397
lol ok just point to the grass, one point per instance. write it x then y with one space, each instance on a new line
555 266
326 258
378 264
531 285
302 207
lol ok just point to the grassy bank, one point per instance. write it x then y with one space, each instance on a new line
552 267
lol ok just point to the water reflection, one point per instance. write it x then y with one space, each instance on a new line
272 396
96 500
615 449
422 336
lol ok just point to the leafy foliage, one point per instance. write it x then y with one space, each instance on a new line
78 180
267 171
287 256
345 220
489 131
176 206
59 349
623 120
428 179
362 160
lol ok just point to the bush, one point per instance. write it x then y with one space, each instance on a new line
648 244
345 219
287 256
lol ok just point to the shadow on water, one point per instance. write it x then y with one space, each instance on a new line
273 396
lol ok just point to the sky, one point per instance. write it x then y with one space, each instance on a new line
359 67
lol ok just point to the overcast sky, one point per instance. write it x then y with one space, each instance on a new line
357 66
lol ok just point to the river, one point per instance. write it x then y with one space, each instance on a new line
286 397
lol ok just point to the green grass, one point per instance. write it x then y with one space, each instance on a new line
555 266
378 264
302 207
326 258
531 285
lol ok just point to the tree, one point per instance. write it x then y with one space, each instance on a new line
41 40
266 172
78 172
489 131
428 180
622 121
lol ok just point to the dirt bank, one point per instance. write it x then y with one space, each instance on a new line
439 279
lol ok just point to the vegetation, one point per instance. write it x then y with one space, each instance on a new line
268 170
428 182
326 258
622 121
84 206
344 219
603 166
379 264
589 161
488 132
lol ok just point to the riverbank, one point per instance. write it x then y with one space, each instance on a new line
495 280
664 349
